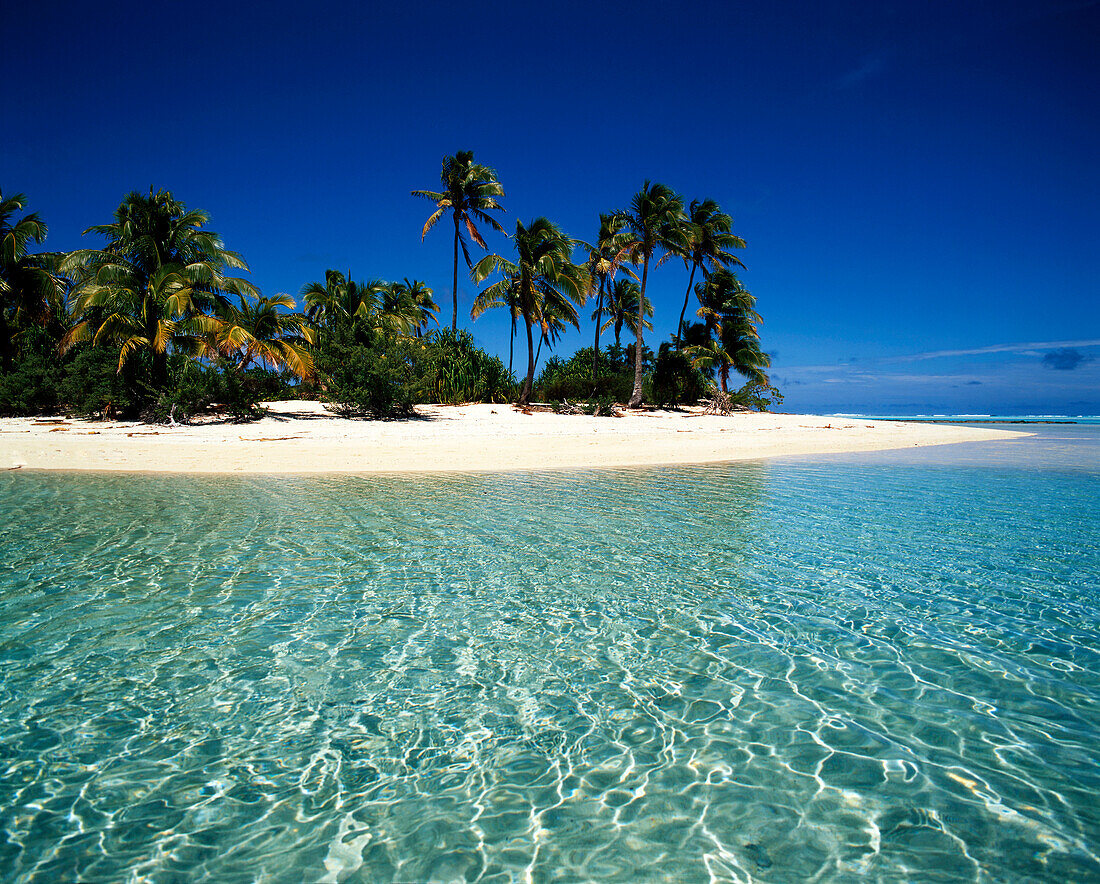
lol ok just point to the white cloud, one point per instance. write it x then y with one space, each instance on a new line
1030 348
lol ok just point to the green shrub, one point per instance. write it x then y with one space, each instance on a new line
31 384
675 380
758 397
571 379
358 380
268 385
195 388
93 387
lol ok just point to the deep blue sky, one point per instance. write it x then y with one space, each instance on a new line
916 182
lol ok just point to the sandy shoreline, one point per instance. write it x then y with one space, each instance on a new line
301 437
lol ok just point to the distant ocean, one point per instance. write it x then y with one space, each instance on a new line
876 667
982 418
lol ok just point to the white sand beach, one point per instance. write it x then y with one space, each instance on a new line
302 437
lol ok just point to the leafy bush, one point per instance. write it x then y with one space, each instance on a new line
31 384
758 397
603 406
92 386
268 385
358 380
194 388
675 380
368 372
571 378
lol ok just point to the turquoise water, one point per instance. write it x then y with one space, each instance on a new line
883 667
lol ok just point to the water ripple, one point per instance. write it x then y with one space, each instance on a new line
754 672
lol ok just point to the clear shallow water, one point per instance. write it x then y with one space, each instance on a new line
781 671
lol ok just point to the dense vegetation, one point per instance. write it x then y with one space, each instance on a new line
157 323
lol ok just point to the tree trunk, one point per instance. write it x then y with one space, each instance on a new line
687 295
525 393
454 314
538 352
596 344
636 396
618 331
5 343
725 375
160 371
511 344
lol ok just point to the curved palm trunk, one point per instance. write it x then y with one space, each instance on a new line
636 396
538 352
687 295
454 291
618 331
725 374
596 343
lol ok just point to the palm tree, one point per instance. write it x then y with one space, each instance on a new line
729 313
622 308
406 308
604 262
159 270
261 330
553 323
548 281
137 314
652 224
427 310
340 299
708 232
30 289
470 192
506 297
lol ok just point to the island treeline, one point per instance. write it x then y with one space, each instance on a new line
158 323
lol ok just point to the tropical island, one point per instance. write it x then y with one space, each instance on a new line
157 326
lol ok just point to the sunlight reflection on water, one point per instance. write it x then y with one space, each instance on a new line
877 666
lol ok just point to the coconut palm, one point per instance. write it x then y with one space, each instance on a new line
708 236
265 329
134 313
501 297
622 308
470 192
340 299
426 309
406 308
605 259
548 282
30 289
652 225
553 323
729 313
159 270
